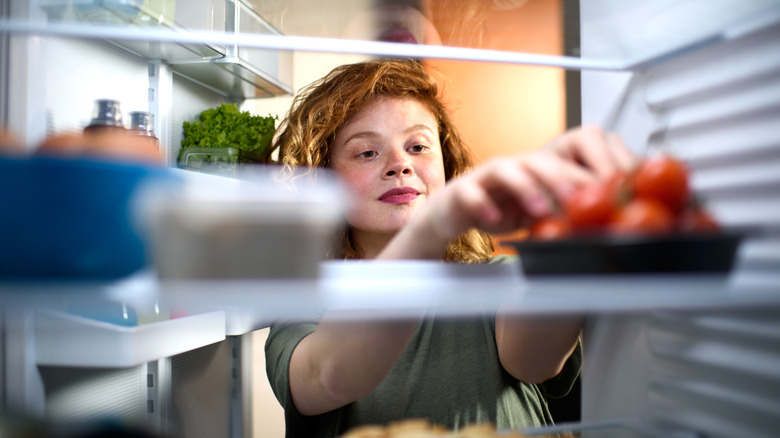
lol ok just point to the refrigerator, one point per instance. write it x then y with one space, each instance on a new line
665 355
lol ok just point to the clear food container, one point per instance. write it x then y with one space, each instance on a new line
222 161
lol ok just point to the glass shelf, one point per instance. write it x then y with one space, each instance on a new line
738 19
237 73
130 35
67 339
382 289
377 290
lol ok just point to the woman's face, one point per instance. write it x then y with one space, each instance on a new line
390 157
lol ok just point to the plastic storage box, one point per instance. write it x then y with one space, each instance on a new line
221 161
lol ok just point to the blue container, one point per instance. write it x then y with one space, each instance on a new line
71 218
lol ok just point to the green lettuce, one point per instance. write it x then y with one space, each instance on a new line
228 127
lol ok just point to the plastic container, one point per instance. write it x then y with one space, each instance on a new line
221 161
259 227
688 253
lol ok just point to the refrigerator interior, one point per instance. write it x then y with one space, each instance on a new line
716 105
663 357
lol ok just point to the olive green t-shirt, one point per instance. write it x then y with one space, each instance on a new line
449 374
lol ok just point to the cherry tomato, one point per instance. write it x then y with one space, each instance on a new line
590 207
642 217
697 220
550 228
664 179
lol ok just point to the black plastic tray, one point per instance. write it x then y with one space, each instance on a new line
713 253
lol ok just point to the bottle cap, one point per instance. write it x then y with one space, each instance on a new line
106 112
142 123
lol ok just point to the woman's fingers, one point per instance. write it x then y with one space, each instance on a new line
589 146
557 176
460 206
505 193
498 196
509 181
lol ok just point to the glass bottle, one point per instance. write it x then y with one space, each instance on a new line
106 117
142 124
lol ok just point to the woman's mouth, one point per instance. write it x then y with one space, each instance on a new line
401 195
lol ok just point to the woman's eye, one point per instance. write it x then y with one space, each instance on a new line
418 148
367 154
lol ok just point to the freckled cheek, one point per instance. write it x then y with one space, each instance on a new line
358 183
434 181
361 196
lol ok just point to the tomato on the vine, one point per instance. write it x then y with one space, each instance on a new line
550 228
664 179
642 217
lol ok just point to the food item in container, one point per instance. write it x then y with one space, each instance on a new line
641 217
367 431
227 126
654 199
550 228
650 230
588 208
697 220
235 137
414 427
664 179
422 428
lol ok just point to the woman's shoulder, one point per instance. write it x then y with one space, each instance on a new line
504 258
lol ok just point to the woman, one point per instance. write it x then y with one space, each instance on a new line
381 127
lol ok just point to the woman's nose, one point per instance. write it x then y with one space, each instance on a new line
397 164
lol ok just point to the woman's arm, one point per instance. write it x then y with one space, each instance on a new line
535 348
343 360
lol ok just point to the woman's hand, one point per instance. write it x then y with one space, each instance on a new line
507 193
503 194
591 147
